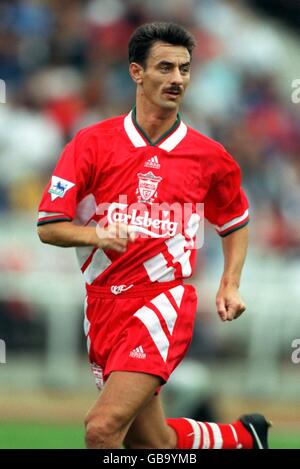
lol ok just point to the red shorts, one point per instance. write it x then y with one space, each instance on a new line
147 328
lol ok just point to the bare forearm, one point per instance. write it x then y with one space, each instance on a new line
235 250
228 300
66 234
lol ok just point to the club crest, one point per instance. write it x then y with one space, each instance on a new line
147 190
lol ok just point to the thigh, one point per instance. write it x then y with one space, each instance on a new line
149 429
122 398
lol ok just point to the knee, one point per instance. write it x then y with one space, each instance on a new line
96 435
103 431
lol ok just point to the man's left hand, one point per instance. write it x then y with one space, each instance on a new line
229 303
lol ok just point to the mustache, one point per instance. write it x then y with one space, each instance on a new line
174 89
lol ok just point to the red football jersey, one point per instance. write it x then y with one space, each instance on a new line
111 172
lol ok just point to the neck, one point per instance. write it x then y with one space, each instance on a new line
153 120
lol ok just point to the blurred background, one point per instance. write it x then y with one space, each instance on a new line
64 63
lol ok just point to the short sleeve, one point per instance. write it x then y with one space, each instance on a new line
226 205
69 183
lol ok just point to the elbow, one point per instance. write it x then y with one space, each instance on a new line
44 234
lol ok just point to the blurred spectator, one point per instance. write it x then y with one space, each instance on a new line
65 67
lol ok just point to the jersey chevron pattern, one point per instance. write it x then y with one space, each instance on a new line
115 157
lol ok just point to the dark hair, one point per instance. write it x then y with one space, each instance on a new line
147 34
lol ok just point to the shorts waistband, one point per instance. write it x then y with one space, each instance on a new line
130 290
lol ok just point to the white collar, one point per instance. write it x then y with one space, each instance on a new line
138 140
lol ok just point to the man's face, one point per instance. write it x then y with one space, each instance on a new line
166 75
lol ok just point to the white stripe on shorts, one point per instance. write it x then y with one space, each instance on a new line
86 324
177 293
153 325
166 309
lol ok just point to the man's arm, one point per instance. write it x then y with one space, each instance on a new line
66 234
229 303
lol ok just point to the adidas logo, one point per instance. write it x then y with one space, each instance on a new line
138 353
152 163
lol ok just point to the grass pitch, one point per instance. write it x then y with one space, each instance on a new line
68 436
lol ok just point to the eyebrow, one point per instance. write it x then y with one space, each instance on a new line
166 62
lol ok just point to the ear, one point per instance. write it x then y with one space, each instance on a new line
136 72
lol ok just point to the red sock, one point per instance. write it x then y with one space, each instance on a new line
203 435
